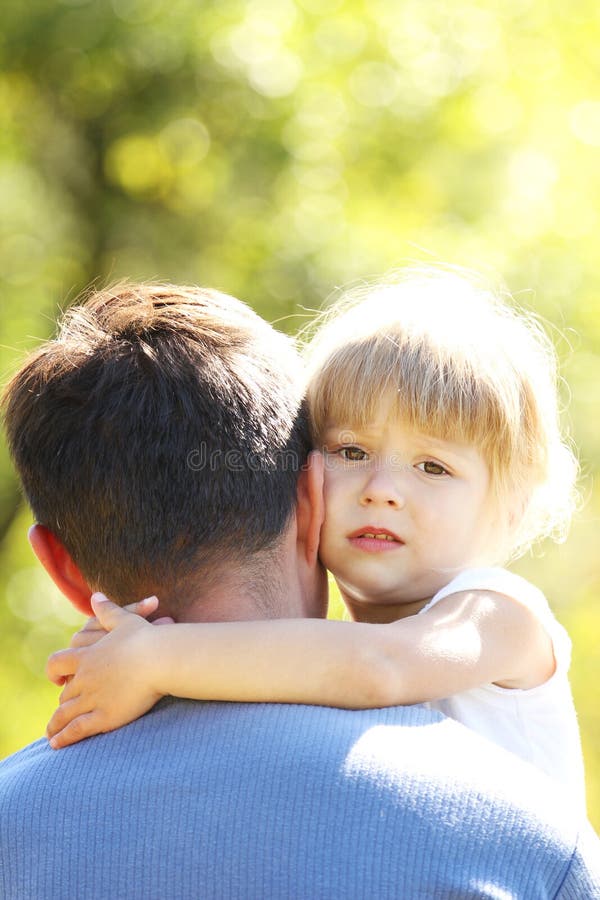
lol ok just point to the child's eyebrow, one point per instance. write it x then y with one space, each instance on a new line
347 435
349 428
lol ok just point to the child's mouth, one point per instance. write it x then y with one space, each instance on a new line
375 540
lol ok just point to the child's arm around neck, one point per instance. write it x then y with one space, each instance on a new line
467 639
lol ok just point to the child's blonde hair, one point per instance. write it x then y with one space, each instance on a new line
454 360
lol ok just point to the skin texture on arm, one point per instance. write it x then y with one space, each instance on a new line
467 639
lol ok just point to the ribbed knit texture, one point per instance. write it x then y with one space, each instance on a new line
215 801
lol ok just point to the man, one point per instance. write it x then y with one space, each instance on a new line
162 445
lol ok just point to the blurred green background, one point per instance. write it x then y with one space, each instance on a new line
275 150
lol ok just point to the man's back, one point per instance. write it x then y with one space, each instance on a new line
250 801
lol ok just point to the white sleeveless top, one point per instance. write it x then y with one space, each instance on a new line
539 724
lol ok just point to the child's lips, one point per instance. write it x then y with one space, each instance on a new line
375 540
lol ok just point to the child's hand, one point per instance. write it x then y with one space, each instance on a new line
107 673
93 631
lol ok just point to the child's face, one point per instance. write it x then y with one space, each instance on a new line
404 512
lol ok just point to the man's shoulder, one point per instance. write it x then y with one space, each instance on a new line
174 721
229 744
293 778
22 760
387 752
179 738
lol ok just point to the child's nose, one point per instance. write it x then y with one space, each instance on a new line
382 490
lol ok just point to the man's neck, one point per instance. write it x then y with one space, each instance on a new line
275 588
233 603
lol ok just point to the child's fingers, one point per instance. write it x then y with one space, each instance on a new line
87 637
70 689
84 726
64 714
143 607
60 665
91 632
164 620
94 631
110 615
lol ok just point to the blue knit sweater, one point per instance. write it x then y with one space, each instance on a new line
227 801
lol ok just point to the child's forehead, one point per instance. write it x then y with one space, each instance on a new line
387 409
414 409
397 421
389 424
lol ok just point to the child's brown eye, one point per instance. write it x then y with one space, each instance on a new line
433 468
353 454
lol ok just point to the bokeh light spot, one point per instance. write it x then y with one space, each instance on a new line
585 122
138 164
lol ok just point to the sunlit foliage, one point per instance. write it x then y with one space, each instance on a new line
277 149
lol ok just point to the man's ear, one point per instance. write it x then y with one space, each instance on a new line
57 561
310 508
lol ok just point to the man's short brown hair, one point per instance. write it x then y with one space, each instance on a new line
161 431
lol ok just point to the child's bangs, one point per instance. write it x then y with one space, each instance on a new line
434 392
347 392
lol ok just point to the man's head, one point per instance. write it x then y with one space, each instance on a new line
159 439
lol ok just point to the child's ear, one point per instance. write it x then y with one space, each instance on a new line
310 506
65 573
517 507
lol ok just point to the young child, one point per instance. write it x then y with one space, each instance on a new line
434 404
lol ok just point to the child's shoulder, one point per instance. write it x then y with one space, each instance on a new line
499 580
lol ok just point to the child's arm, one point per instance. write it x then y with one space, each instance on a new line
467 639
